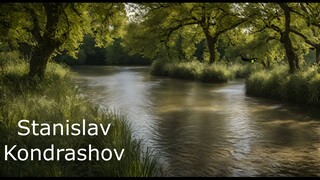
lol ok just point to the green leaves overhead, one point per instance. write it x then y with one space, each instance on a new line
165 23
28 22
171 31
51 28
107 21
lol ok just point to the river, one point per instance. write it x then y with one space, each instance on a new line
205 129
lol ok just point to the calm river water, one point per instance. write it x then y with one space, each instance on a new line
203 129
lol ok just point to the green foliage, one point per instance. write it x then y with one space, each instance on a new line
266 84
173 29
176 31
159 68
170 31
90 54
185 70
116 54
25 22
56 99
51 28
216 73
204 72
241 70
314 87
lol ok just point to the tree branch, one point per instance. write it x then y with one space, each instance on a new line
171 30
75 10
274 27
315 24
67 19
306 39
35 31
230 27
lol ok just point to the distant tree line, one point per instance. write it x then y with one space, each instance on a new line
89 54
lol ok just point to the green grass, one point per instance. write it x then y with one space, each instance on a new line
243 70
194 70
56 99
302 87
159 68
187 70
216 73
276 82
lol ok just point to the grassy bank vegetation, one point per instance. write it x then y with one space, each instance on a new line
276 82
301 87
195 70
53 100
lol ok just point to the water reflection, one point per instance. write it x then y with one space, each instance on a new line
204 129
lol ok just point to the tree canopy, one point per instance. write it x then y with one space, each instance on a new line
50 28
268 31
166 23
206 32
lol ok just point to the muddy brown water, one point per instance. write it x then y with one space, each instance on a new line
204 129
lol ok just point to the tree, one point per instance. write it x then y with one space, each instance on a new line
285 38
50 28
165 22
251 44
308 26
277 17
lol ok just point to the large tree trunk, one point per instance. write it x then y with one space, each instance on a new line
286 41
47 43
211 42
39 60
291 55
318 54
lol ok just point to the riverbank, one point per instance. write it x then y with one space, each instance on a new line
203 72
302 87
55 100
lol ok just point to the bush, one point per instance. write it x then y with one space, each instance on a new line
244 70
314 90
195 70
216 73
187 70
158 68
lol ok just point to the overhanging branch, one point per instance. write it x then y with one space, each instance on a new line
171 30
306 39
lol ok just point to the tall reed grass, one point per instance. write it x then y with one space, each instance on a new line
301 87
56 99
195 70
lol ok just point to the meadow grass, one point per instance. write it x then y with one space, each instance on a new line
56 99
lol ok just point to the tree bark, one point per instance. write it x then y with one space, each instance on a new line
47 43
286 41
39 60
291 56
318 54
211 42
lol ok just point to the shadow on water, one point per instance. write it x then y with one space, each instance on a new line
203 129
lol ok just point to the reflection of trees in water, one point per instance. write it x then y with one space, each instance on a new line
193 148
234 139
189 134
